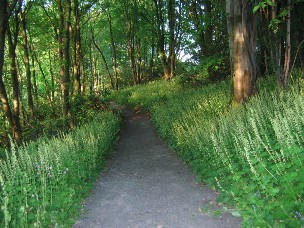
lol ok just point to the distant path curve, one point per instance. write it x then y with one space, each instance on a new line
147 185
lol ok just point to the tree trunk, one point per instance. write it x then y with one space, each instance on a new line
113 49
152 57
12 44
52 78
47 90
171 16
283 80
131 50
209 30
66 55
76 48
139 61
243 35
34 76
83 75
27 67
161 39
3 94
104 61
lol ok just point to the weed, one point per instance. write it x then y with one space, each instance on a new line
252 153
42 183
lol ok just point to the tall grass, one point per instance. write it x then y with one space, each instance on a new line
42 183
253 154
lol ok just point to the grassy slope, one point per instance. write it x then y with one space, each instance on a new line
253 154
42 183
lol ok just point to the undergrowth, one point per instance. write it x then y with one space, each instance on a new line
253 154
42 183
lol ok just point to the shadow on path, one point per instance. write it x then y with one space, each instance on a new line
147 185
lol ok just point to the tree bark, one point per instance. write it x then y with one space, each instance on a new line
66 55
12 44
283 80
30 101
52 78
104 61
47 90
76 48
171 16
243 35
3 94
113 49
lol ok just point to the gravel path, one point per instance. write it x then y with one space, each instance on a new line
147 185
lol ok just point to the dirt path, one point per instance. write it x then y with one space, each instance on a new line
147 185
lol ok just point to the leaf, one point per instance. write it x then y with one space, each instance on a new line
274 191
217 213
256 8
269 2
236 214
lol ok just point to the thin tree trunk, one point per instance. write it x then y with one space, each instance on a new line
139 62
30 101
283 80
152 57
76 48
131 50
114 50
23 118
52 78
47 90
66 54
105 62
301 55
171 15
83 75
34 78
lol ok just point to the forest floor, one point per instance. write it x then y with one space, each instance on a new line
147 185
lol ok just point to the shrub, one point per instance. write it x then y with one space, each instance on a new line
43 182
253 154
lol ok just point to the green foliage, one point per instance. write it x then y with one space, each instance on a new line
42 183
146 95
253 154
210 69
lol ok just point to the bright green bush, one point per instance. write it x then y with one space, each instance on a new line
146 95
253 154
42 183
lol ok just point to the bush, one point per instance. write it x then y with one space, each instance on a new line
42 183
252 154
210 70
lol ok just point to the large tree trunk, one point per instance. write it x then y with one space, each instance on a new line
161 38
12 44
64 55
4 99
243 45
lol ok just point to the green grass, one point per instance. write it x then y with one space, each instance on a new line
42 183
253 154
